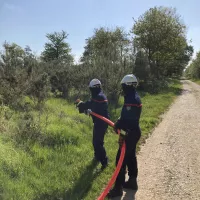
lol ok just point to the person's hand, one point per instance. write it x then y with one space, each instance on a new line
87 112
78 102
80 105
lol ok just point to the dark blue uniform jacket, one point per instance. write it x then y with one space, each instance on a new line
130 114
99 105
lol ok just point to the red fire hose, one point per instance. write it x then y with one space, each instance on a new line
123 150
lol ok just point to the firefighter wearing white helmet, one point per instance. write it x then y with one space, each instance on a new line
129 79
128 123
98 104
94 83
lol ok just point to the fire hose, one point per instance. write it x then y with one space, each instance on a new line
119 165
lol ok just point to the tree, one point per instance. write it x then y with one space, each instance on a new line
193 70
141 69
107 44
14 79
62 80
107 57
181 61
57 49
11 58
58 58
161 33
39 90
30 61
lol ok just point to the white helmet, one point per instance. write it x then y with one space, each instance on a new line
130 79
94 83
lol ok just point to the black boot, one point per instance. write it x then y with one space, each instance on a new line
116 191
131 184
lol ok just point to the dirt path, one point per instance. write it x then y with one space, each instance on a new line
169 162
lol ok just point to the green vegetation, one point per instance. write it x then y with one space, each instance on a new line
155 49
197 81
45 145
161 32
193 70
47 154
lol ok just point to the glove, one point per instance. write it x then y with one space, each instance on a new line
77 102
122 138
80 105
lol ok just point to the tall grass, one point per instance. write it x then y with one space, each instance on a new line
54 159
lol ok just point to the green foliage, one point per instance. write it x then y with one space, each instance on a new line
106 43
193 70
157 50
197 81
62 80
106 55
11 58
13 88
5 115
57 48
28 129
49 154
141 69
18 68
40 89
161 33
58 56
30 60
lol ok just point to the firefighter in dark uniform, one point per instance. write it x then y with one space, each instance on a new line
128 123
98 104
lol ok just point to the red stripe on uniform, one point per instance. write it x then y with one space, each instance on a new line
99 101
136 105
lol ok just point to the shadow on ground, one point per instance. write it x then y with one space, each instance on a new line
84 183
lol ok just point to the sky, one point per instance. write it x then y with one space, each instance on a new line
26 22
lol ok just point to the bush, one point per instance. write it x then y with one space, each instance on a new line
12 89
154 86
28 129
39 89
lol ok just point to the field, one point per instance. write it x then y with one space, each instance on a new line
47 154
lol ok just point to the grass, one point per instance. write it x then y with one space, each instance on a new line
196 81
53 160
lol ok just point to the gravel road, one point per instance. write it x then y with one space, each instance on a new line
169 162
